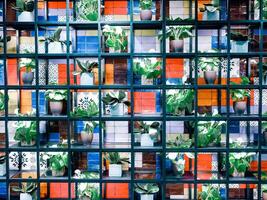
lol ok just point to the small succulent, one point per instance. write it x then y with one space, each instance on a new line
146 188
24 5
114 158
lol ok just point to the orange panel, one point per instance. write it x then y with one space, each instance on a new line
26 101
144 102
60 190
116 190
12 71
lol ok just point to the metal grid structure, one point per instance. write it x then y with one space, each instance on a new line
259 149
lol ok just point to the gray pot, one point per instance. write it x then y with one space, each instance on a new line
146 15
25 144
210 76
87 137
27 78
177 46
56 107
240 107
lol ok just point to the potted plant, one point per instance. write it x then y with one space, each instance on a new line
2 103
2 165
58 161
239 161
8 38
25 132
88 191
239 96
29 64
264 73
209 132
115 163
87 134
211 12
180 142
55 98
257 9
239 42
264 128
55 45
87 10
146 191
27 190
116 102
88 109
116 38
148 68
179 101
149 132
146 12
264 191
86 73
209 66
26 8
177 34
210 192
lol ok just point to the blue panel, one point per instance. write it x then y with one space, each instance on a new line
53 18
93 161
54 137
1 73
158 166
234 127
79 126
3 190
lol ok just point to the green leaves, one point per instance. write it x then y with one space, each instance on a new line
28 63
177 32
148 67
89 111
24 5
240 94
29 187
179 100
87 9
113 98
25 131
146 188
210 192
180 142
56 95
114 158
55 37
2 101
58 161
209 63
145 4
86 66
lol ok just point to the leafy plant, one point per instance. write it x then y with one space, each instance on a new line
209 131
240 94
25 131
264 123
116 37
2 159
2 101
210 192
264 7
29 187
56 95
8 38
114 158
85 174
180 142
264 188
178 161
209 63
238 36
28 63
179 19
87 9
177 32
113 98
146 188
57 160
24 5
89 126
239 161
209 8
55 37
179 100
144 128
148 67
145 4
89 110
85 67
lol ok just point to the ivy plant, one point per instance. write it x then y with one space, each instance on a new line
240 94
148 67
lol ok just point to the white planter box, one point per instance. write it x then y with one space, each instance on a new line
147 197
210 16
87 79
26 17
3 169
239 46
146 141
115 170
55 47
117 110
25 196
145 81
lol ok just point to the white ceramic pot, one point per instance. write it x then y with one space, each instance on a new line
87 78
112 50
115 170
26 17
237 174
56 107
55 47
210 16
25 144
146 140
25 196
147 197
3 169
58 173
264 195
87 137
118 109
239 46
145 81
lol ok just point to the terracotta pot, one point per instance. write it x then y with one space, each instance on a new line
210 77
87 137
176 46
58 173
240 107
56 107
27 78
25 144
145 15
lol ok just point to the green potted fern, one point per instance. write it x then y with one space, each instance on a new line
27 190
25 133
145 9
86 72
115 163
25 8
58 162
87 134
